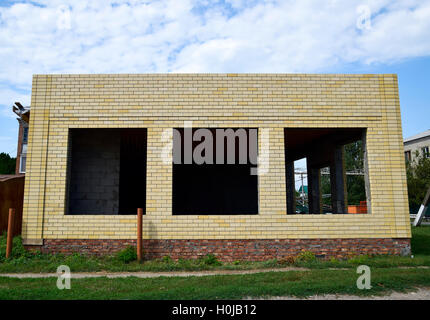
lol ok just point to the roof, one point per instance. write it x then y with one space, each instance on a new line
418 136
305 189
4 177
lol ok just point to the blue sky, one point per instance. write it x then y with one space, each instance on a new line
134 36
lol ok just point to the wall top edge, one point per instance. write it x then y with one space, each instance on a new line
173 75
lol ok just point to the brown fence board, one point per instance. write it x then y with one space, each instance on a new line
11 196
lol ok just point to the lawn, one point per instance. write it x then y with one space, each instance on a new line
319 279
297 283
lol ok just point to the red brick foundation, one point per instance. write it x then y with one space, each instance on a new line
230 250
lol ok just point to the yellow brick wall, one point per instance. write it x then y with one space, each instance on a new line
267 101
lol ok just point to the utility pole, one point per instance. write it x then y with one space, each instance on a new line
303 191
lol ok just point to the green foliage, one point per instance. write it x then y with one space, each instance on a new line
211 260
267 284
418 175
305 256
127 255
166 259
7 164
354 161
354 155
420 241
326 189
360 259
356 190
18 250
24 261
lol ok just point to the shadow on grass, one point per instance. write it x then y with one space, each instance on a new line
420 241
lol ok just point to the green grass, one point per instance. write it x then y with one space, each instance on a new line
386 276
24 261
421 240
294 283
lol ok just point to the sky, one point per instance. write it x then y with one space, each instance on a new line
188 36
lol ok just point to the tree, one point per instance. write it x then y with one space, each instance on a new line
356 190
418 175
326 189
354 162
7 164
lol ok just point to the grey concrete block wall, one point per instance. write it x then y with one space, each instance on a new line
95 169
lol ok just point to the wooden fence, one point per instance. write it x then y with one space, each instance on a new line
11 196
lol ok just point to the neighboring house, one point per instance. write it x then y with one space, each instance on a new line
100 147
21 157
417 145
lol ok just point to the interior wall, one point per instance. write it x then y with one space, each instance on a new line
95 170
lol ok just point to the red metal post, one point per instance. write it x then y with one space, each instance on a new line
9 242
139 234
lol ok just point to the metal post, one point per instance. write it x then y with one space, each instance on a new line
420 215
139 234
9 242
303 191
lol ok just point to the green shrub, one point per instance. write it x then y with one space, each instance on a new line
211 260
167 260
18 250
305 256
127 255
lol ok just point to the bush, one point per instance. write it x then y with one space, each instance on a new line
305 256
18 250
211 260
127 255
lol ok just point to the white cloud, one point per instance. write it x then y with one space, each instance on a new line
8 97
196 36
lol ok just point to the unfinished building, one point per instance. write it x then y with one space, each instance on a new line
101 146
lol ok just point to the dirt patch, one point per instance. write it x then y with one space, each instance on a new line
80 275
419 294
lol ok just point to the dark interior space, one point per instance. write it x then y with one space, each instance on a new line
327 164
132 178
302 141
210 189
106 171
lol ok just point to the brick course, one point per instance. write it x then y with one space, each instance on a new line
231 250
